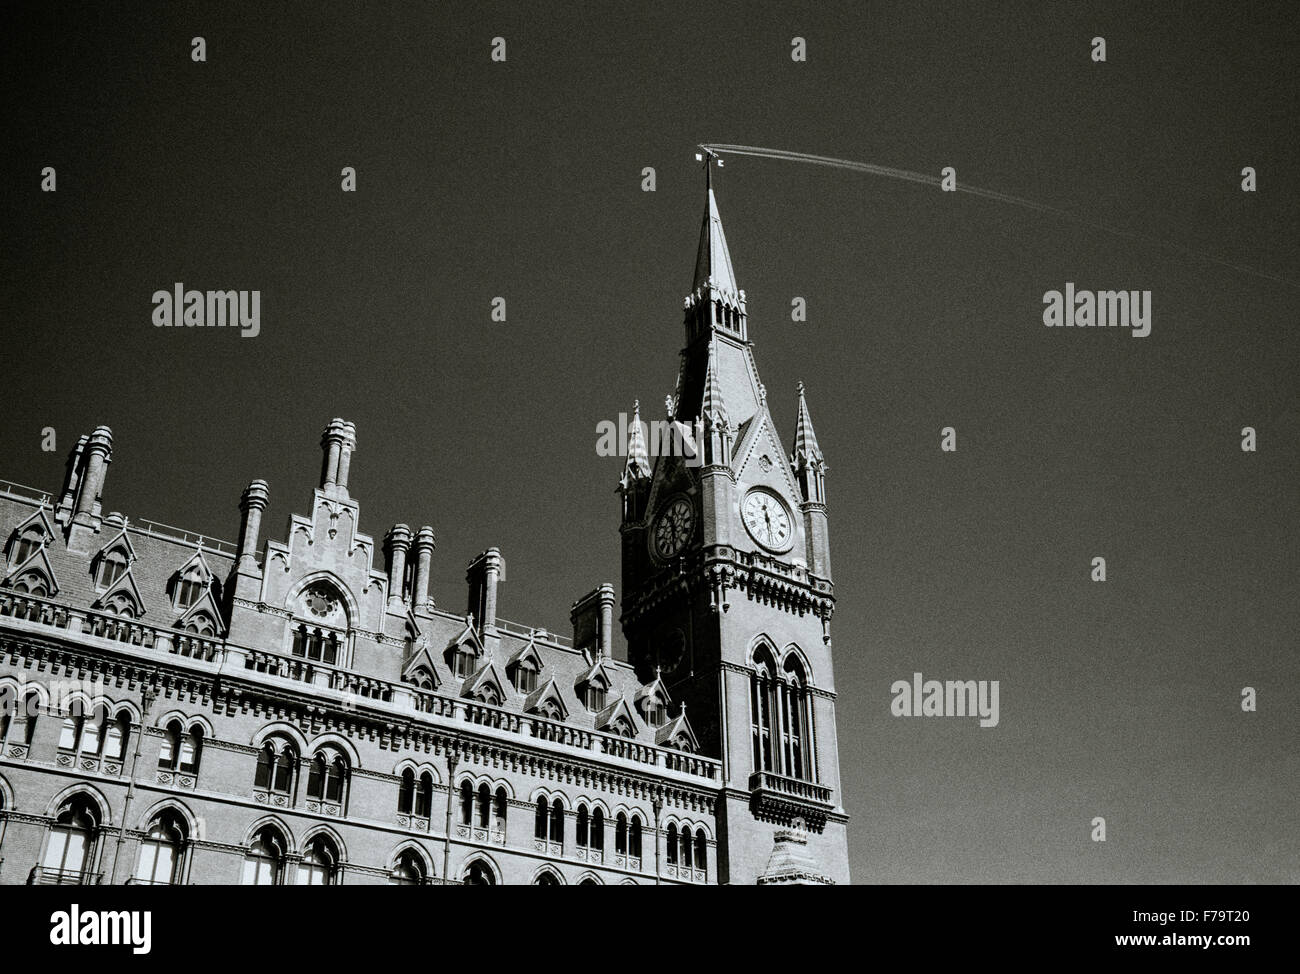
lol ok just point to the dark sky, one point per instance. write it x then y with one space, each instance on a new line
522 179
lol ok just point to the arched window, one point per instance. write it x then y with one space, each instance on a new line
162 851
671 845
794 720
264 861
546 878
634 838
118 736
701 851
191 750
484 805
597 835
499 805
327 777
688 849
320 863
540 820
761 689
31 710
409 870
462 661
276 764
406 793
70 849
557 823
83 733
479 874
424 797
525 676
189 588
581 837
170 752
589 882
32 537
620 835
112 566
466 803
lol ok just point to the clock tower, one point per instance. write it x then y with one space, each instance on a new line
727 589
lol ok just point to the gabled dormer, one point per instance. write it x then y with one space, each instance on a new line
33 576
32 535
122 597
618 718
464 654
547 702
203 616
113 562
677 734
190 582
652 700
524 668
420 670
487 686
594 685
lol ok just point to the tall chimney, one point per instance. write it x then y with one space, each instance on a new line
396 543
99 454
346 446
331 442
251 505
424 545
483 574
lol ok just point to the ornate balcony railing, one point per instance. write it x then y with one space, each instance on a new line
779 784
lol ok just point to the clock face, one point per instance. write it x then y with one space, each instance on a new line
674 527
767 519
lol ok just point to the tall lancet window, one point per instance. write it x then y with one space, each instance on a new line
761 688
794 720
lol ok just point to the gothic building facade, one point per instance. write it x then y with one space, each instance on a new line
178 710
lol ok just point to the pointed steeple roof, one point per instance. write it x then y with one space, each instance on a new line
638 457
712 409
713 259
806 450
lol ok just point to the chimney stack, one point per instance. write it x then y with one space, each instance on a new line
338 443
251 505
99 454
424 545
396 543
483 575
593 621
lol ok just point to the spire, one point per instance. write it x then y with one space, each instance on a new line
713 260
637 467
809 465
713 410
806 450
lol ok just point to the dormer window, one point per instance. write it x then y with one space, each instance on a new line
656 714
525 676
189 589
462 662
594 696
27 543
112 566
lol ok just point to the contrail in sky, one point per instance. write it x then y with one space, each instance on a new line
784 155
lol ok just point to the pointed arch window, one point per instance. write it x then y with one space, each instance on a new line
264 861
499 805
72 843
320 863
670 844
480 873
701 852
557 824
406 793
541 820
546 878
761 690
162 851
620 835
410 870
33 583
327 777
112 566
190 587
634 838
466 803
29 540
277 763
